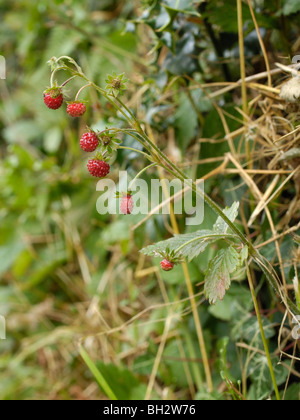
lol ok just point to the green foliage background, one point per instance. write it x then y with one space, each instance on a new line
67 272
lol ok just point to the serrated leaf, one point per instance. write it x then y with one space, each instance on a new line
244 254
217 279
232 213
189 245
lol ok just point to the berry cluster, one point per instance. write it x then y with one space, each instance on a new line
54 98
107 143
90 141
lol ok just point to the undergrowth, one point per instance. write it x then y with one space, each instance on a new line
85 309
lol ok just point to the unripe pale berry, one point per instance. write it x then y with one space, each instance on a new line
127 205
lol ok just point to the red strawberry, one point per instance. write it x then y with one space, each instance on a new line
127 204
76 109
167 265
89 142
53 98
98 168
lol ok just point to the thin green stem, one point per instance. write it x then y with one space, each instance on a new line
263 336
130 133
242 55
137 151
141 173
243 69
67 81
82 89
53 74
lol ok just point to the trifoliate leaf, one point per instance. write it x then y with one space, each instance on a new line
187 246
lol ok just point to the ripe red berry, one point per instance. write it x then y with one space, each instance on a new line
127 205
98 168
89 142
167 265
53 98
76 109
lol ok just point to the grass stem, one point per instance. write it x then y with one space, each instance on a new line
263 336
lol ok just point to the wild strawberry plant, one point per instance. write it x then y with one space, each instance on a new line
238 249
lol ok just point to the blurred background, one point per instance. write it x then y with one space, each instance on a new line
67 273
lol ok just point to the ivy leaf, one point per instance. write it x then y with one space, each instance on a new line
182 6
217 280
232 213
188 246
186 122
291 6
245 327
262 385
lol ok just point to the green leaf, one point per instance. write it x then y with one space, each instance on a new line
122 382
184 6
186 122
244 254
9 253
260 375
293 393
189 245
97 374
232 213
225 310
245 326
217 279
291 6
223 14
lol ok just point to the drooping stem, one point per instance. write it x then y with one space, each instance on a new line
141 173
81 89
53 74
68 80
